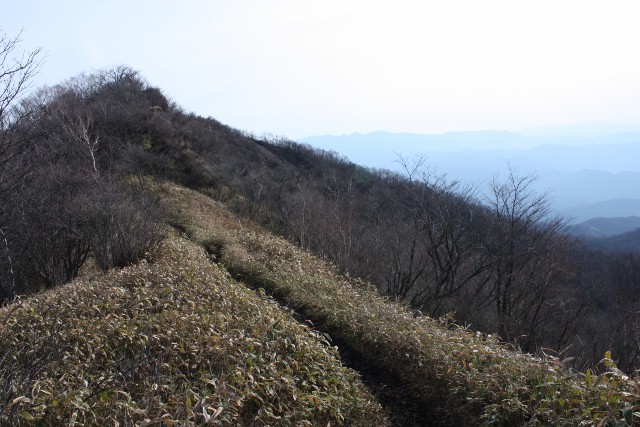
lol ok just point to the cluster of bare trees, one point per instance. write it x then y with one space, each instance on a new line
60 203
496 261
16 71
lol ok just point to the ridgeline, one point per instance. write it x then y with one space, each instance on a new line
161 268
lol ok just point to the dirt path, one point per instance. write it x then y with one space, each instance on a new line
243 250
386 386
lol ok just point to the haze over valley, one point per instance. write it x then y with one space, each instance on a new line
458 244
591 169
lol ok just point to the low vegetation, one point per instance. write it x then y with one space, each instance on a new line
468 377
497 261
174 341
130 324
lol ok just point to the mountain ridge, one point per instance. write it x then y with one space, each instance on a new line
578 171
605 227
168 213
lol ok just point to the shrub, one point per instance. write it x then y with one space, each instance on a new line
122 226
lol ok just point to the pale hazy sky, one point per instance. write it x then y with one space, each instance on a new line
307 67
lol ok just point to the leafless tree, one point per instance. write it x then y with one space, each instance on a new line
79 121
438 256
623 321
527 256
17 69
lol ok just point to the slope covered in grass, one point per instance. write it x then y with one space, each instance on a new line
175 341
468 378
178 340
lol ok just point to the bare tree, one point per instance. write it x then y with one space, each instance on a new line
79 121
438 255
16 71
527 257
623 320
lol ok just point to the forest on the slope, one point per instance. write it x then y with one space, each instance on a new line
74 159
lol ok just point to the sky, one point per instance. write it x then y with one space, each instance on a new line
306 67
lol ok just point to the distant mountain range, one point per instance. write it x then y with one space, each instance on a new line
620 242
590 173
610 209
605 227
456 141
609 234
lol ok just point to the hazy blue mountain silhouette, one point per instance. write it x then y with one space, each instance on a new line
588 175
605 227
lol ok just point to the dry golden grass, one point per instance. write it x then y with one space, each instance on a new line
175 340
172 342
470 377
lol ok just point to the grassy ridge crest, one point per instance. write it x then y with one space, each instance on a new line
171 342
177 340
469 378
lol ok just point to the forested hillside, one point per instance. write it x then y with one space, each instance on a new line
80 165
500 264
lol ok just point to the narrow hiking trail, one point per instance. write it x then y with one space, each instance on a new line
385 385
231 243
425 371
